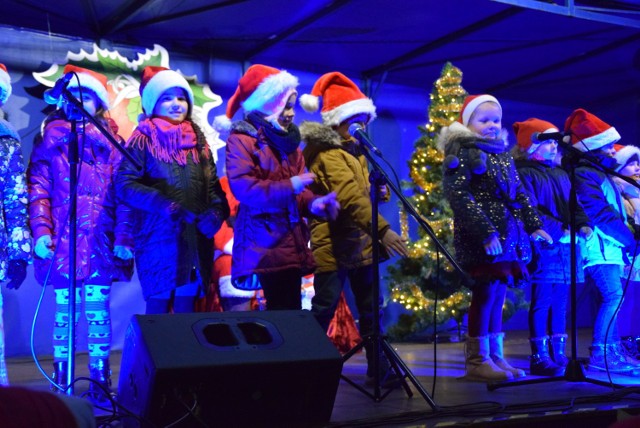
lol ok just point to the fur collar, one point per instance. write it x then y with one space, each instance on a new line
457 132
322 136
244 127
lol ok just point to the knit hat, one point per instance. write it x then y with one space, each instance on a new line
156 80
341 99
262 88
471 103
588 132
526 132
5 84
626 155
89 79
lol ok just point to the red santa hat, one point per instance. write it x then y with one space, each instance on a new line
526 132
5 84
588 132
470 105
156 80
625 155
262 88
89 79
341 99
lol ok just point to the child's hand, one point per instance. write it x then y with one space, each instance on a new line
326 206
123 252
299 182
493 247
44 247
586 232
541 235
394 244
209 223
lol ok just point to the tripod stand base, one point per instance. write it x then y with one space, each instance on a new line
397 366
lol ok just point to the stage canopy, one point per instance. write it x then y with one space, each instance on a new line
563 53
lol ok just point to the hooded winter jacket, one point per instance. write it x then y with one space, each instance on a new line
487 204
169 251
101 222
344 243
270 234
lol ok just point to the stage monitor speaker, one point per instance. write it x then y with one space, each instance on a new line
273 368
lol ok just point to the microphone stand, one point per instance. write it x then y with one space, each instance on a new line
377 178
574 371
78 113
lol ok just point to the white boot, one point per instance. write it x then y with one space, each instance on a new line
479 365
497 355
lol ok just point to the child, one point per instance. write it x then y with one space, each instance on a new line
267 175
15 239
343 248
176 198
628 160
603 250
489 205
103 235
548 187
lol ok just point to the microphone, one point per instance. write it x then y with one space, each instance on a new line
546 136
358 133
52 96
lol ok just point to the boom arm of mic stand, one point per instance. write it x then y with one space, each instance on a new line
414 213
78 105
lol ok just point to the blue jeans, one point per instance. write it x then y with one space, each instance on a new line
606 278
548 307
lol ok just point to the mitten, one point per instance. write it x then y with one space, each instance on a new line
16 273
44 247
177 212
209 223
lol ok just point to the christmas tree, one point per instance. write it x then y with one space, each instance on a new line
426 278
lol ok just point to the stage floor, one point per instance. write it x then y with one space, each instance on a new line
453 402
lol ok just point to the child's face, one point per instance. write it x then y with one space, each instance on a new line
486 120
173 105
89 99
608 150
286 117
632 169
343 129
546 151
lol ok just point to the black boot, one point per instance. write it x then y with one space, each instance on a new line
388 377
100 385
558 346
60 369
541 363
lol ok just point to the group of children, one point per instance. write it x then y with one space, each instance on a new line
164 204
163 208
512 219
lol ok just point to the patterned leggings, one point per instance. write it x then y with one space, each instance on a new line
97 313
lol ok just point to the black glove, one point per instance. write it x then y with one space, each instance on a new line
209 223
177 212
636 231
16 273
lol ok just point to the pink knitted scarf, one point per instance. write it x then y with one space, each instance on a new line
166 141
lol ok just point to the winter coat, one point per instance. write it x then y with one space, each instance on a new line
549 190
631 198
344 243
270 234
170 252
603 204
15 239
101 222
487 204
